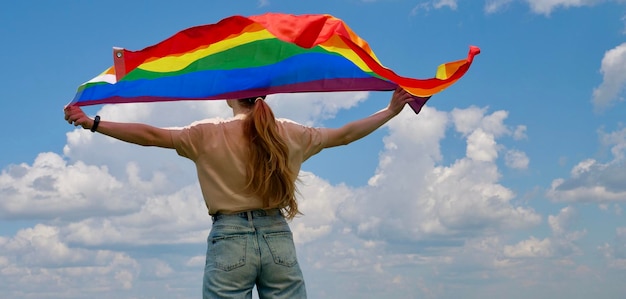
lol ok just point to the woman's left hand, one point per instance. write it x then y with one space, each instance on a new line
399 98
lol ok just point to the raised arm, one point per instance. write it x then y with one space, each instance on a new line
140 134
360 128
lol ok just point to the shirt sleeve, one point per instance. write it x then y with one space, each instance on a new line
310 140
185 141
315 139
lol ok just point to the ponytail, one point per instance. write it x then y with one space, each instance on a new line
268 174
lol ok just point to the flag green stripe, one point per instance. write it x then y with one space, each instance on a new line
254 54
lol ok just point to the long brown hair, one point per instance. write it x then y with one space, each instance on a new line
268 174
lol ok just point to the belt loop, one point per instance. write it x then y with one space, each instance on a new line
249 214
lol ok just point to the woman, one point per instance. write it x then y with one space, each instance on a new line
247 167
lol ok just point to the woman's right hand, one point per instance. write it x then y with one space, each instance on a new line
75 115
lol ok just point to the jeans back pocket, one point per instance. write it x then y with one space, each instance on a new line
282 248
229 252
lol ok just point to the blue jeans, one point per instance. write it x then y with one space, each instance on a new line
249 248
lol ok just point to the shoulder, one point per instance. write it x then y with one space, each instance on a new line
305 134
200 128
285 122
213 121
208 124
290 127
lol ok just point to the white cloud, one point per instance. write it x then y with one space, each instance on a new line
591 181
37 256
516 159
494 6
543 7
318 202
422 6
558 224
520 133
196 261
160 268
531 247
612 87
40 246
313 108
52 188
481 146
437 4
547 6
434 4
482 131
594 181
468 120
565 240
617 142
429 202
615 254
562 243
181 216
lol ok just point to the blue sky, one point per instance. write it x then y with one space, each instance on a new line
509 184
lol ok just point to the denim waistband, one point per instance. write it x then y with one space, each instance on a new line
249 214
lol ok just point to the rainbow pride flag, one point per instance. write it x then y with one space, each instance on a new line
241 57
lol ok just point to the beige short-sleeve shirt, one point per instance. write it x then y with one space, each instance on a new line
220 152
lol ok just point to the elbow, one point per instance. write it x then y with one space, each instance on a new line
143 142
152 142
338 141
148 140
158 138
346 139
